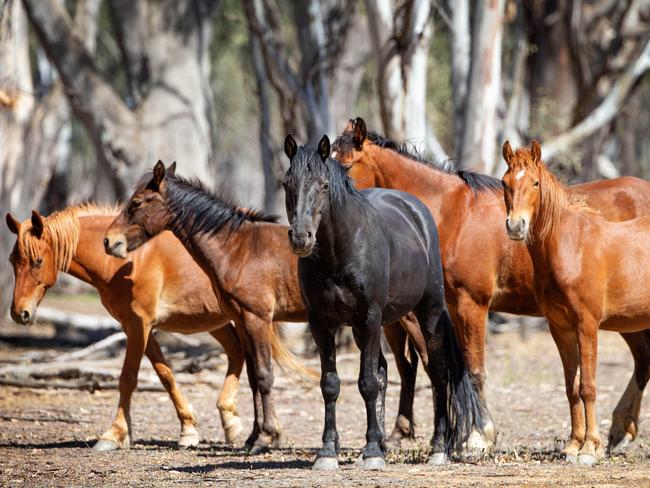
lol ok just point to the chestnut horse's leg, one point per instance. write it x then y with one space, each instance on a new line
591 450
260 331
397 339
625 419
470 322
372 386
566 340
227 402
118 436
189 434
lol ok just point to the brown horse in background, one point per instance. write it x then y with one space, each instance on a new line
158 287
250 264
484 270
589 273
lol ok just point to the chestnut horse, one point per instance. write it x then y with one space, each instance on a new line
589 273
158 287
484 270
250 264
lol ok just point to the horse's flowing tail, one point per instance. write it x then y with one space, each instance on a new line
287 360
466 410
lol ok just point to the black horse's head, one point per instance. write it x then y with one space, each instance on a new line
307 186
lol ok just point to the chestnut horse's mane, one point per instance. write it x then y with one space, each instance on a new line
476 181
61 231
201 210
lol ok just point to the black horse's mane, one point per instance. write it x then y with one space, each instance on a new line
341 185
476 181
200 210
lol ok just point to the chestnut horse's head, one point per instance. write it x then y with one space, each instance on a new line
306 186
144 215
35 263
351 150
521 188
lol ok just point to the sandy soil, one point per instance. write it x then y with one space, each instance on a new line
46 435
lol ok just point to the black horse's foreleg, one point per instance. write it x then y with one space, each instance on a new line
330 386
428 313
372 386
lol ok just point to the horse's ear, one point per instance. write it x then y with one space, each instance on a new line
290 147
171 169
13 224
324 147
360 132
158 173
508 153
536 151
37 224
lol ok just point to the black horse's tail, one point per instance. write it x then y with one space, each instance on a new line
465 408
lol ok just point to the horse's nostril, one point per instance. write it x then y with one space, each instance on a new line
309 234
25 315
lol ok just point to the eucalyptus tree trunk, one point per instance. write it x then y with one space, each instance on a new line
168 110
32 132
478 147
401 35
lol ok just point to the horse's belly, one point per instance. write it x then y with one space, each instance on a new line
626 324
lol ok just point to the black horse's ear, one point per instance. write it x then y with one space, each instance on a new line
158 174
13 224
171 169
37 224
360 132
290 147
324 147
536 151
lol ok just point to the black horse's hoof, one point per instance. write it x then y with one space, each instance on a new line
325 464
373 463
438 459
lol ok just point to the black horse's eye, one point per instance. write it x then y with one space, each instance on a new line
38 262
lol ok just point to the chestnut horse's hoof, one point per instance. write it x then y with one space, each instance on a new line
438 459
587 459
189 438
233 430
620 446
373 463
103 445
325 464
570 458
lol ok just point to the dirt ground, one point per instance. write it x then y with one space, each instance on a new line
46 434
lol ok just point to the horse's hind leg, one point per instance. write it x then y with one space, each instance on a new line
625 419
260 331
397 339
189 434
330 387
227 402
245 341
118 436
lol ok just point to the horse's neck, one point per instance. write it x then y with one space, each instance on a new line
90 263
340 225
399 172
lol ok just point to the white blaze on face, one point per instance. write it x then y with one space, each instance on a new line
334 155
520 175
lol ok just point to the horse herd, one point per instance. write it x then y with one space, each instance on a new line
377 237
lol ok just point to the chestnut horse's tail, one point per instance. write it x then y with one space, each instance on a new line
465 407
287 360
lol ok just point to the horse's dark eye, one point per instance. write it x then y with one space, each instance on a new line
536 185
38 262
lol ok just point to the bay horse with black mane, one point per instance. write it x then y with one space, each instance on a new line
589 273
484 270
250 265
366 259
158 287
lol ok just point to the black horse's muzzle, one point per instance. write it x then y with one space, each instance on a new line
302 242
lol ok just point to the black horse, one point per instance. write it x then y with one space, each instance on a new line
366 259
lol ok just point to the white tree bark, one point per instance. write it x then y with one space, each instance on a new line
478 151
605 112
401 37
460 44
173 119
